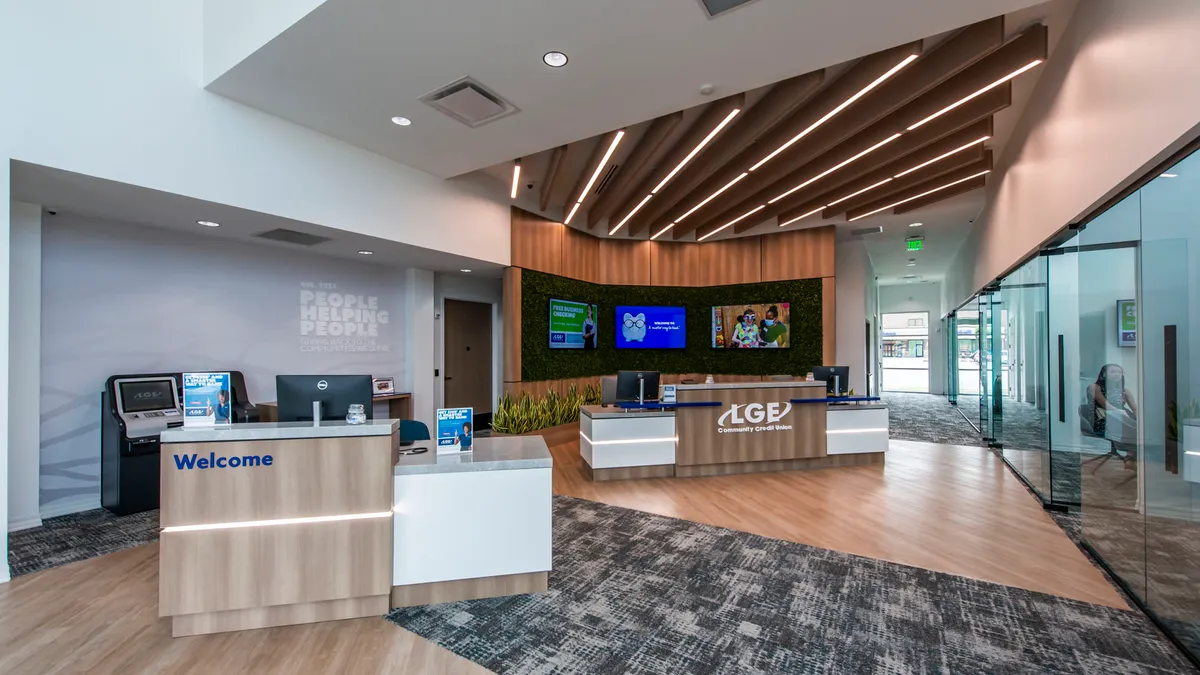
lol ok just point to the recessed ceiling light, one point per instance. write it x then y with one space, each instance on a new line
207 223
1170 175
465 270
401 121
554 59
912 263
366 252
915 224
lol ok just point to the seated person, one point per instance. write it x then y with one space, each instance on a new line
1106 397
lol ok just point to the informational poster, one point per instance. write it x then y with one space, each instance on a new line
205 399
455 430
1127 323
572 324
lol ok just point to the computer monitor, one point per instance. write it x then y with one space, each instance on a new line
836 378
295 395
632 382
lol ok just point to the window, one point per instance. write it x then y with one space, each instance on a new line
905 349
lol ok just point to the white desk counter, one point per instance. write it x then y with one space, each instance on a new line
617 444
474 525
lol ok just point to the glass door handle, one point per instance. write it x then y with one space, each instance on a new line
1062 392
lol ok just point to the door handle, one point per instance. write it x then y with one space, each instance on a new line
1062 394
449 378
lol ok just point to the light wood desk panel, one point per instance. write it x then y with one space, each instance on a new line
703 440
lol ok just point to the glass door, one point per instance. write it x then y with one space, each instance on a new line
990 358
950 330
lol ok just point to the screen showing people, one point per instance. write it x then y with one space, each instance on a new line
573 324
752 326
641 327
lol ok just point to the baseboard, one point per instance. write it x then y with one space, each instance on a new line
26 523
65 507
4 574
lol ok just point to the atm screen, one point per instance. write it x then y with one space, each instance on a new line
146 395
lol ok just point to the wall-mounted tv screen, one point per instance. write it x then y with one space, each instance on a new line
572 324
754 326
641 327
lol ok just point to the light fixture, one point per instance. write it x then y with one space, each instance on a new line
696 150
595 174
516 179
366 252
826 172
911 263
855 194
239 524
207 223
915 224
819 208
740 218
465 270
941 157
1169 175
630 215
923 194
554 59
401 121
662 231
1032 64
711 197
829 115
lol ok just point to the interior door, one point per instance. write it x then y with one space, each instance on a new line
468 352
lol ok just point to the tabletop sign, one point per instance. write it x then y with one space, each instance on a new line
205 399
455 430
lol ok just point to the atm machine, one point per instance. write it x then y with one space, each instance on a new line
134 411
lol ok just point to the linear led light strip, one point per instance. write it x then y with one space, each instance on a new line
826 172
923 194
986 89
516 178
278 521
664 439
814 211
829 115
697 207
595 174
941 157
745 215
695 151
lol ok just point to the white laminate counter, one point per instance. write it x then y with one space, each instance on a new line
611 438
784 384
278 431
489 453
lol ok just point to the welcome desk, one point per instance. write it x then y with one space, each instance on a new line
717 429
283 523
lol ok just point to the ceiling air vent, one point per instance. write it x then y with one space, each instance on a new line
469 102
867 230
716 7
292 237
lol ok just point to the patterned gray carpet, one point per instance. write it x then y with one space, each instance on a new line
78 536
929 418
633 592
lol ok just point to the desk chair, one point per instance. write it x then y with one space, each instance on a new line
413 430
1115 448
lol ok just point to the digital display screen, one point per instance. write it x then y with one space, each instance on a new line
573 324
147 395
641 327
753 326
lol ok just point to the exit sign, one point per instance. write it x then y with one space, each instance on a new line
915 243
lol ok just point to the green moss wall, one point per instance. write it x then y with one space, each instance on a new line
540 362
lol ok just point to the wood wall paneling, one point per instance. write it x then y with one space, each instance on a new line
675 264
511 308
798 254
731 261
580 255
625 262
829 321
703 441
536 242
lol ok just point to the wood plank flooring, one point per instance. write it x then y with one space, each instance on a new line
947 508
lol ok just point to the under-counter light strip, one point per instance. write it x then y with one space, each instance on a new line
630 441
630 215
981 92
696 150
821 175
829 115
516 179
923 194
612 147
813 212
873 430
278 521
852 195
941 157
734 221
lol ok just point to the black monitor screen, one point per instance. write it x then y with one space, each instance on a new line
836 378
631 382
147 395
295 395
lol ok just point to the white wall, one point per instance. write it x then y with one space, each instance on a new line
921 298
25 323
120 298
5 260
472 289
854 288
1116 97
421 315
235 29
114 90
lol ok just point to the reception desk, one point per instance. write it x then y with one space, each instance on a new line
719 429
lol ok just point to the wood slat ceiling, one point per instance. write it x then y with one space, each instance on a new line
906 125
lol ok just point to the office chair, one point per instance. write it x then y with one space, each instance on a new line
413 430
1115 448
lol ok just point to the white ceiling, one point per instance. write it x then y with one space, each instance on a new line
350 65
65 191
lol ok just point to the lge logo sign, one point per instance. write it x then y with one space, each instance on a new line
754 417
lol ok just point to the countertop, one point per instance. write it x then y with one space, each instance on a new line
277 431
613 412
751 385
490 453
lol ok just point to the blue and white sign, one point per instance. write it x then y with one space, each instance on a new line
205 399
455 430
